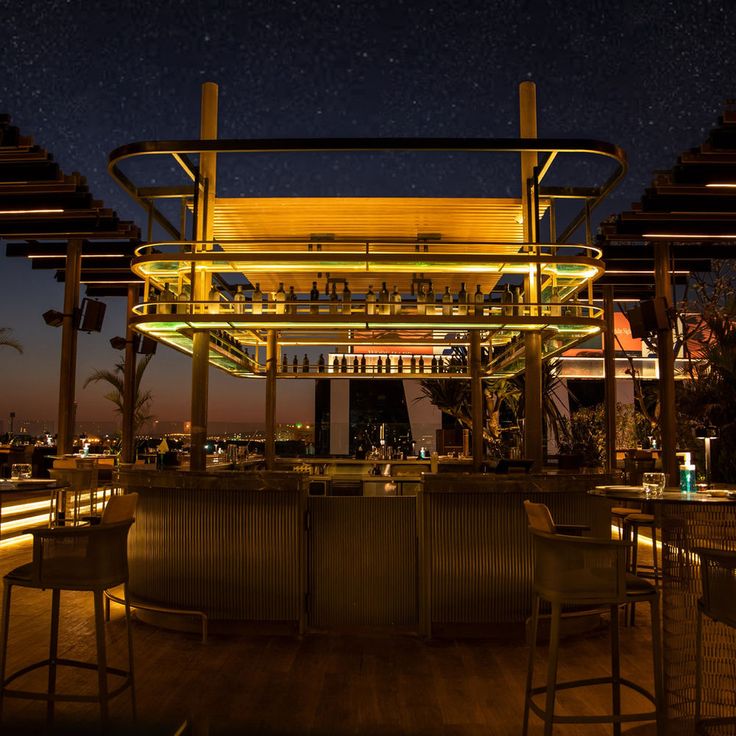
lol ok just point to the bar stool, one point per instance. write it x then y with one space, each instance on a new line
618 516
89 558
585 571
632 524
718 577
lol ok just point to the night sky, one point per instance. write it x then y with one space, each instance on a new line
84 78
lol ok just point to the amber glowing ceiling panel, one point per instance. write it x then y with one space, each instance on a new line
465 220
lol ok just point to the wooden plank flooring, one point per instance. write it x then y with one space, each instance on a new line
327 684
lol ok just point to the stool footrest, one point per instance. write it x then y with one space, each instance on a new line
61 697
605 718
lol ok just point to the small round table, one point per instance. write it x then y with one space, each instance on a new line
686 521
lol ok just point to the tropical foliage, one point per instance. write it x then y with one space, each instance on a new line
142 412
8 341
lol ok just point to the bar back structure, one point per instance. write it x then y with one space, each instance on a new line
418 244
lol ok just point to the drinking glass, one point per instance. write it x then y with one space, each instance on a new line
654 484
20 470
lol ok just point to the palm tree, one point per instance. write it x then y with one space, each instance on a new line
141 411
8 341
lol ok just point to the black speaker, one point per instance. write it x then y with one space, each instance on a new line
145 345
655 314
93 315
636 322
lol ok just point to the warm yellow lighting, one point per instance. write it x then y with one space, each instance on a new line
21 539
30 212
719 185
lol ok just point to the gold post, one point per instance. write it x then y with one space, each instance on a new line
476 399
68 365
609 372
272 357
666 359
200 284
532 339
127 454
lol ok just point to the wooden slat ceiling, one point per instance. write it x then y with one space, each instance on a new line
460 219
681 207
44 207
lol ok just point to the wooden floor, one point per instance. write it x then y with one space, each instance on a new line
317 684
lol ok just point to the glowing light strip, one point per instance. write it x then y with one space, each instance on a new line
721 185
685 236
30 212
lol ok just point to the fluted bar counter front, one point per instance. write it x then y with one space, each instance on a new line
228 544
687 521
254 547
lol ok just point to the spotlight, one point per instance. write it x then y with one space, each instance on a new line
53 318
118 343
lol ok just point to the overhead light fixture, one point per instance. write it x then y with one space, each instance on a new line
141 344
53 318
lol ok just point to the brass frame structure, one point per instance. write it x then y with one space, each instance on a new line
545 319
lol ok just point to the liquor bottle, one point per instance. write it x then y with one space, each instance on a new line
421 364
518 309
347 298
344 365
413 365
314 298
431 308
395 301
379 365
478 299
257 299
362 364
280 299
462 300
370 301
383 300
400 365
305 364
239 300
388 364
333 299
440 365
336 365
214 299
291 301
182 299
447 303
355 364
555 299
422 300
295 365
284 364
321 363
434 364
507 299
167 296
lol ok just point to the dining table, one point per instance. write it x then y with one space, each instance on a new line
684 522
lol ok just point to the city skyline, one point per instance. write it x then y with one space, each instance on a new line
350 69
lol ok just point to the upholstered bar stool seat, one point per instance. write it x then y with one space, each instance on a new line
75 558
618 516
582 571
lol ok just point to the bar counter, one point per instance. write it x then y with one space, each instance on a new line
254 547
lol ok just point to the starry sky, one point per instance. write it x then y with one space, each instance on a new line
84 78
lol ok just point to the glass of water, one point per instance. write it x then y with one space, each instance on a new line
654 484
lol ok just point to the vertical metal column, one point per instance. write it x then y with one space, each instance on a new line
609 374
68 365
127 454
532 339
200 286
666 359
272 358
476 399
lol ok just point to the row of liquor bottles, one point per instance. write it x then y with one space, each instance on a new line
377 364
383 302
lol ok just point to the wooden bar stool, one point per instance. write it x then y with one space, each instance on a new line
90 558
584 571
632 524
